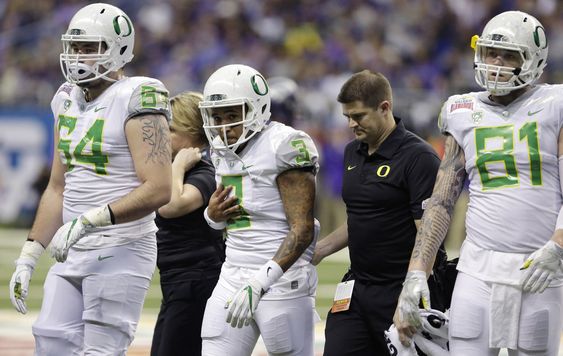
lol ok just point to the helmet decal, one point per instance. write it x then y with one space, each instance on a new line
537 37
260 91
117 27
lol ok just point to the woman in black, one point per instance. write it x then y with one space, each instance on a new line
190 253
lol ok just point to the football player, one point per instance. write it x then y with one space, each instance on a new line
507 142
265 173
110 171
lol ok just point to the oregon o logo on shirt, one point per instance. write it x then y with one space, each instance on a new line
383 171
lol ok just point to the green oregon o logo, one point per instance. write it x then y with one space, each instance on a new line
539 38
262 88
383 171
117 27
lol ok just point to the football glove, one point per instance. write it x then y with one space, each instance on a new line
71 232
415 288
25 264
243 304
541 267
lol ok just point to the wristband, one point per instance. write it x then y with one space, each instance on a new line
268 274
30 253
213 224
97 217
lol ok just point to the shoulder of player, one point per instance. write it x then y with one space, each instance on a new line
64 94
132 84
546 89
65 89
466 101
277 133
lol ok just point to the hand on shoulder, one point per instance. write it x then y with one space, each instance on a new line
187 158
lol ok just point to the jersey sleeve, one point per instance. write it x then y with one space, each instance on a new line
297 150
202 176
421 177
150 97
442 119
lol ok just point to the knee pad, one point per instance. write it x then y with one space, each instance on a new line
534 331
57 342
466 320
101 340
214 318
219 338
116 301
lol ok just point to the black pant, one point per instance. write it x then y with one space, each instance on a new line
359 330
178 327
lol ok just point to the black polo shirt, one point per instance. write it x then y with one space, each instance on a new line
383 193
187 242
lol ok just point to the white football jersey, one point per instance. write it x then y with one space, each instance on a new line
93 148
512 164
254 238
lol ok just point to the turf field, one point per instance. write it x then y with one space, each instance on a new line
330 271
15 329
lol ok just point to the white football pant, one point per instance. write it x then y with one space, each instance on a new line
539 328
92 302
286 325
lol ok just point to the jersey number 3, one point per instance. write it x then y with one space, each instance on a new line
93 137
505 154
243 220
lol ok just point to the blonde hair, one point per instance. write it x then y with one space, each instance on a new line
186 117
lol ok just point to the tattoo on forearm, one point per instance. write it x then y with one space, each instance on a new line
437 216
157 135
297 189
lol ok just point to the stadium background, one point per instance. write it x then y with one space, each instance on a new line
422 46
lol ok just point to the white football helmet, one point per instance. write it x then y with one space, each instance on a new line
235 85
101 24
514 31
432 339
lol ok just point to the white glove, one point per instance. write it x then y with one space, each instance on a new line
415 288
244 302
71 232
19 284
541 267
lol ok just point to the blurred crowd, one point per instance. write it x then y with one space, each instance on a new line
422 46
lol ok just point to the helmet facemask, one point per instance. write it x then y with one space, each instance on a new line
74 65
489 75
510 31
217 133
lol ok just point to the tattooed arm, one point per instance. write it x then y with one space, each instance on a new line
149 143
297 190
431 232
438 213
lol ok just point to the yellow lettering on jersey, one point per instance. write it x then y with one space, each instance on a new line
383 171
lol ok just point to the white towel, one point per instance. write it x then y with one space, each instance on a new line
504 317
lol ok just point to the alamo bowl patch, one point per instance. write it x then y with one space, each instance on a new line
462 103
